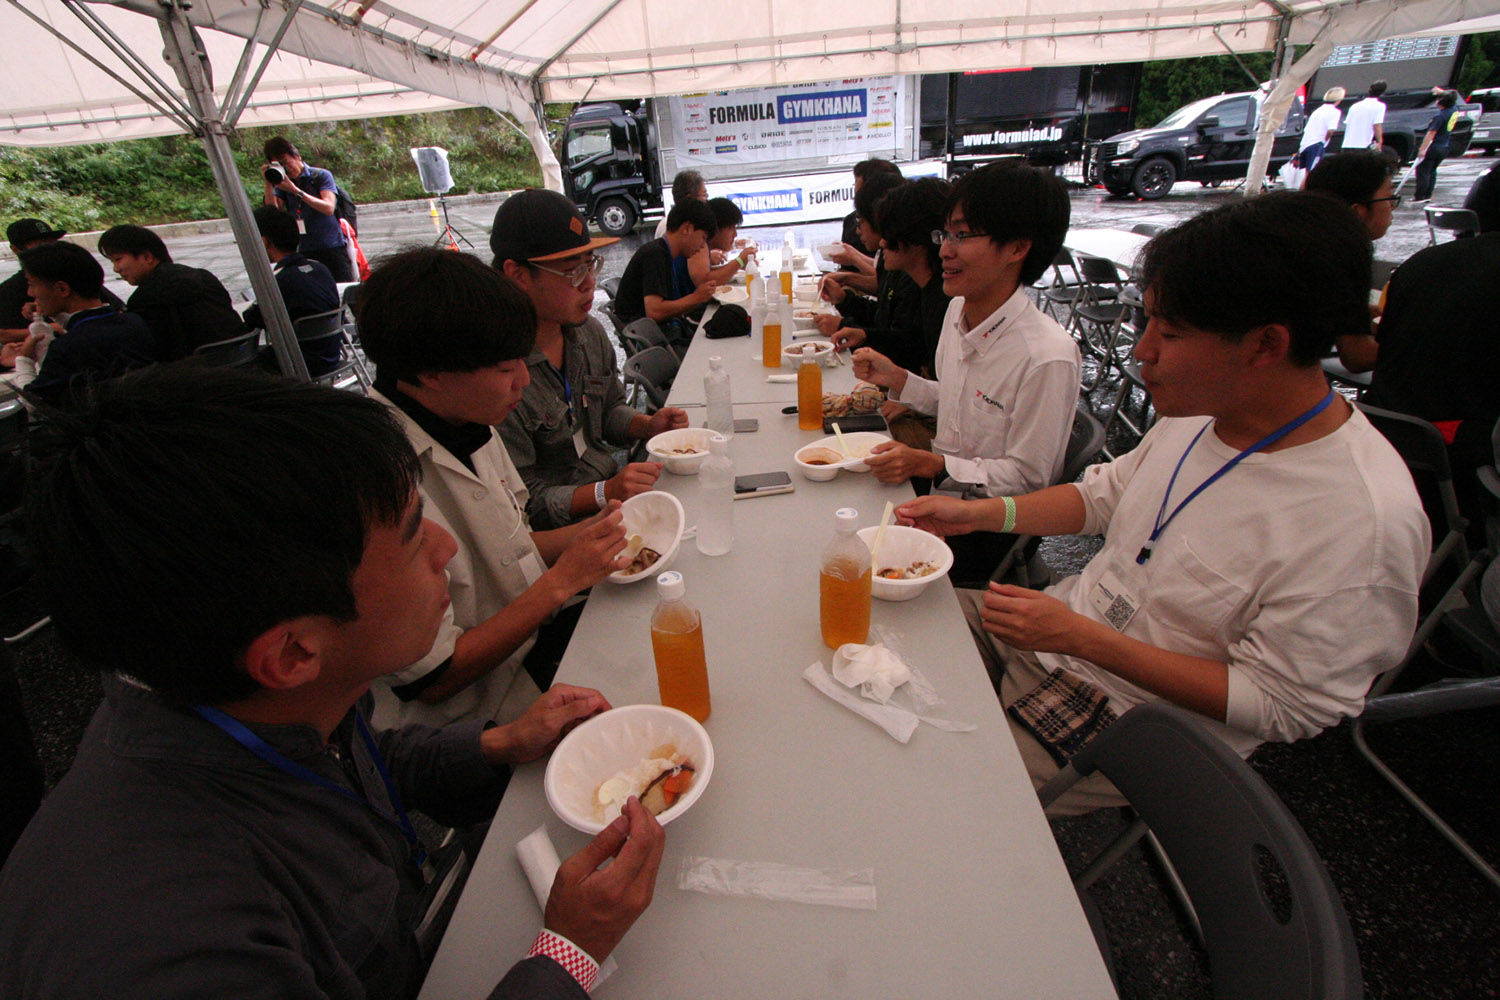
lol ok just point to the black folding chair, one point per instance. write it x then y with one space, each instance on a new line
240 351
652 370
1458 221
1269 916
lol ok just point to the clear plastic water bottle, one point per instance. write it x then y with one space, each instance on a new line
716 395
716 500
757 317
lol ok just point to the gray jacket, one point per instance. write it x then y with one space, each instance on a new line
172 862
539 433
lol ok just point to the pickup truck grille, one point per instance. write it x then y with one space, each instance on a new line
1105 151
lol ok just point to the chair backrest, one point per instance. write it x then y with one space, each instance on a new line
1422 448
642 333
1099 271
1064 269
1085 442
653 370
608 309
319 325
1272 922
1460 221
611 287
239 351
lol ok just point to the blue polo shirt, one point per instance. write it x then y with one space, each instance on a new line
322 232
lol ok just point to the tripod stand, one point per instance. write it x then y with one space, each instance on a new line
447 235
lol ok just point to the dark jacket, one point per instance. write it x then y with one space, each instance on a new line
99 344
902 321
172 862
307 288
185 307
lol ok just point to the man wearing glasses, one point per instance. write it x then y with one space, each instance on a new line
573 415
1007 375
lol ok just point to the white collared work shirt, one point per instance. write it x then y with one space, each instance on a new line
1004 397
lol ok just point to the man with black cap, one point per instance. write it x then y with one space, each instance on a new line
14 299
573 415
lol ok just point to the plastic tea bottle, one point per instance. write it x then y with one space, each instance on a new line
844 584
677 643
750 277
770 339
810 396
786 270
716 394
716 492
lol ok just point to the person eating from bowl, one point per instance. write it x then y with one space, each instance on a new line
892 298
1263 544
714 262
650 286
231 824
573 416
1007 375
448 384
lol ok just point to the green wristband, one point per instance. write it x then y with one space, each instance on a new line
1010 515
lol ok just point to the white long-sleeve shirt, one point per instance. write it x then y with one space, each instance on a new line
1004 397
1299 569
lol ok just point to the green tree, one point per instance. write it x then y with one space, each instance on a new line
1169 84
1481 66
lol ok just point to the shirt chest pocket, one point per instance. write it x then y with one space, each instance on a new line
985 415
596 390
1189 596
553 418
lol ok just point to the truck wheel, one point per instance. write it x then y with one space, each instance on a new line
616 216
1153 178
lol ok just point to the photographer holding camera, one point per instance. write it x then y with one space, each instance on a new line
311 195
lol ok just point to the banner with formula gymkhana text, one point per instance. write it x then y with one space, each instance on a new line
841 118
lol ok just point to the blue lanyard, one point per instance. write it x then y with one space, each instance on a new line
1264 442
242 735
562 373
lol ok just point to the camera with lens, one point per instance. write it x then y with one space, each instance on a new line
273 174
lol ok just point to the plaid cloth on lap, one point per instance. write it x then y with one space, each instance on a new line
1063 713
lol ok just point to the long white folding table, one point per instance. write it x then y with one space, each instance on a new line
972 898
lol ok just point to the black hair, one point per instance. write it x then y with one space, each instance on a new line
279 145
726 213
1352 176
278 227
909 214
1377 88
871 191
695 213
69 262
1012 201
865 169
686 184
1447 98
134 240
188 510
1232 270
426 310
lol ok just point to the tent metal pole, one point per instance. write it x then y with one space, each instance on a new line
243 65
167 111
126 55
237 108
186 56
1290 76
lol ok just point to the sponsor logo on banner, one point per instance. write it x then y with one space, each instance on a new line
761 202
1050 133
726 149
830 195
824 106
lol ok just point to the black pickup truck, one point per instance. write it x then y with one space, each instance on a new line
1211 140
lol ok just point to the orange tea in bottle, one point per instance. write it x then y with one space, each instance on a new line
844 584
677 645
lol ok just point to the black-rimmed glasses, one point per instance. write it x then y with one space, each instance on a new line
941 236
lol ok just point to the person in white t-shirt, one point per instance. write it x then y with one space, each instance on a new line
1267 602
1364 124
1315 135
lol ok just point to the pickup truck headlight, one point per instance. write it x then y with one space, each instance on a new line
1128 146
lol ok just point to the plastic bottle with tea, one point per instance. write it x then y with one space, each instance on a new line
677 645
810 396
770 346
844 584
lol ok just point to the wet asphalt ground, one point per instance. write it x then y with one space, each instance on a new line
1425 922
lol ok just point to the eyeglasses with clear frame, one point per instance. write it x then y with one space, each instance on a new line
1394 199
941 236
578 273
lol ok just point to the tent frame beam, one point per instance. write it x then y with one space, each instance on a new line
124 53
237 103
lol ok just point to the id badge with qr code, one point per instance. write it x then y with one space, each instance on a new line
1116 605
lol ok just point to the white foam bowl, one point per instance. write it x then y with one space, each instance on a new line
805 292
901 547
817 473
827 250
805 316
799 257
859 442
793 354
727 294
698 438
658 518
618 739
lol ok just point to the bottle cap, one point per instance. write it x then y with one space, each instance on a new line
669 586
716 362
718 445
845 517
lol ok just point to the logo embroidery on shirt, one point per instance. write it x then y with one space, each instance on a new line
979 394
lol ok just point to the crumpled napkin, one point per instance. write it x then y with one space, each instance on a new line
876 670
898 722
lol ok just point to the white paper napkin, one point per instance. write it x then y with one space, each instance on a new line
540 862
875 670
781 378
